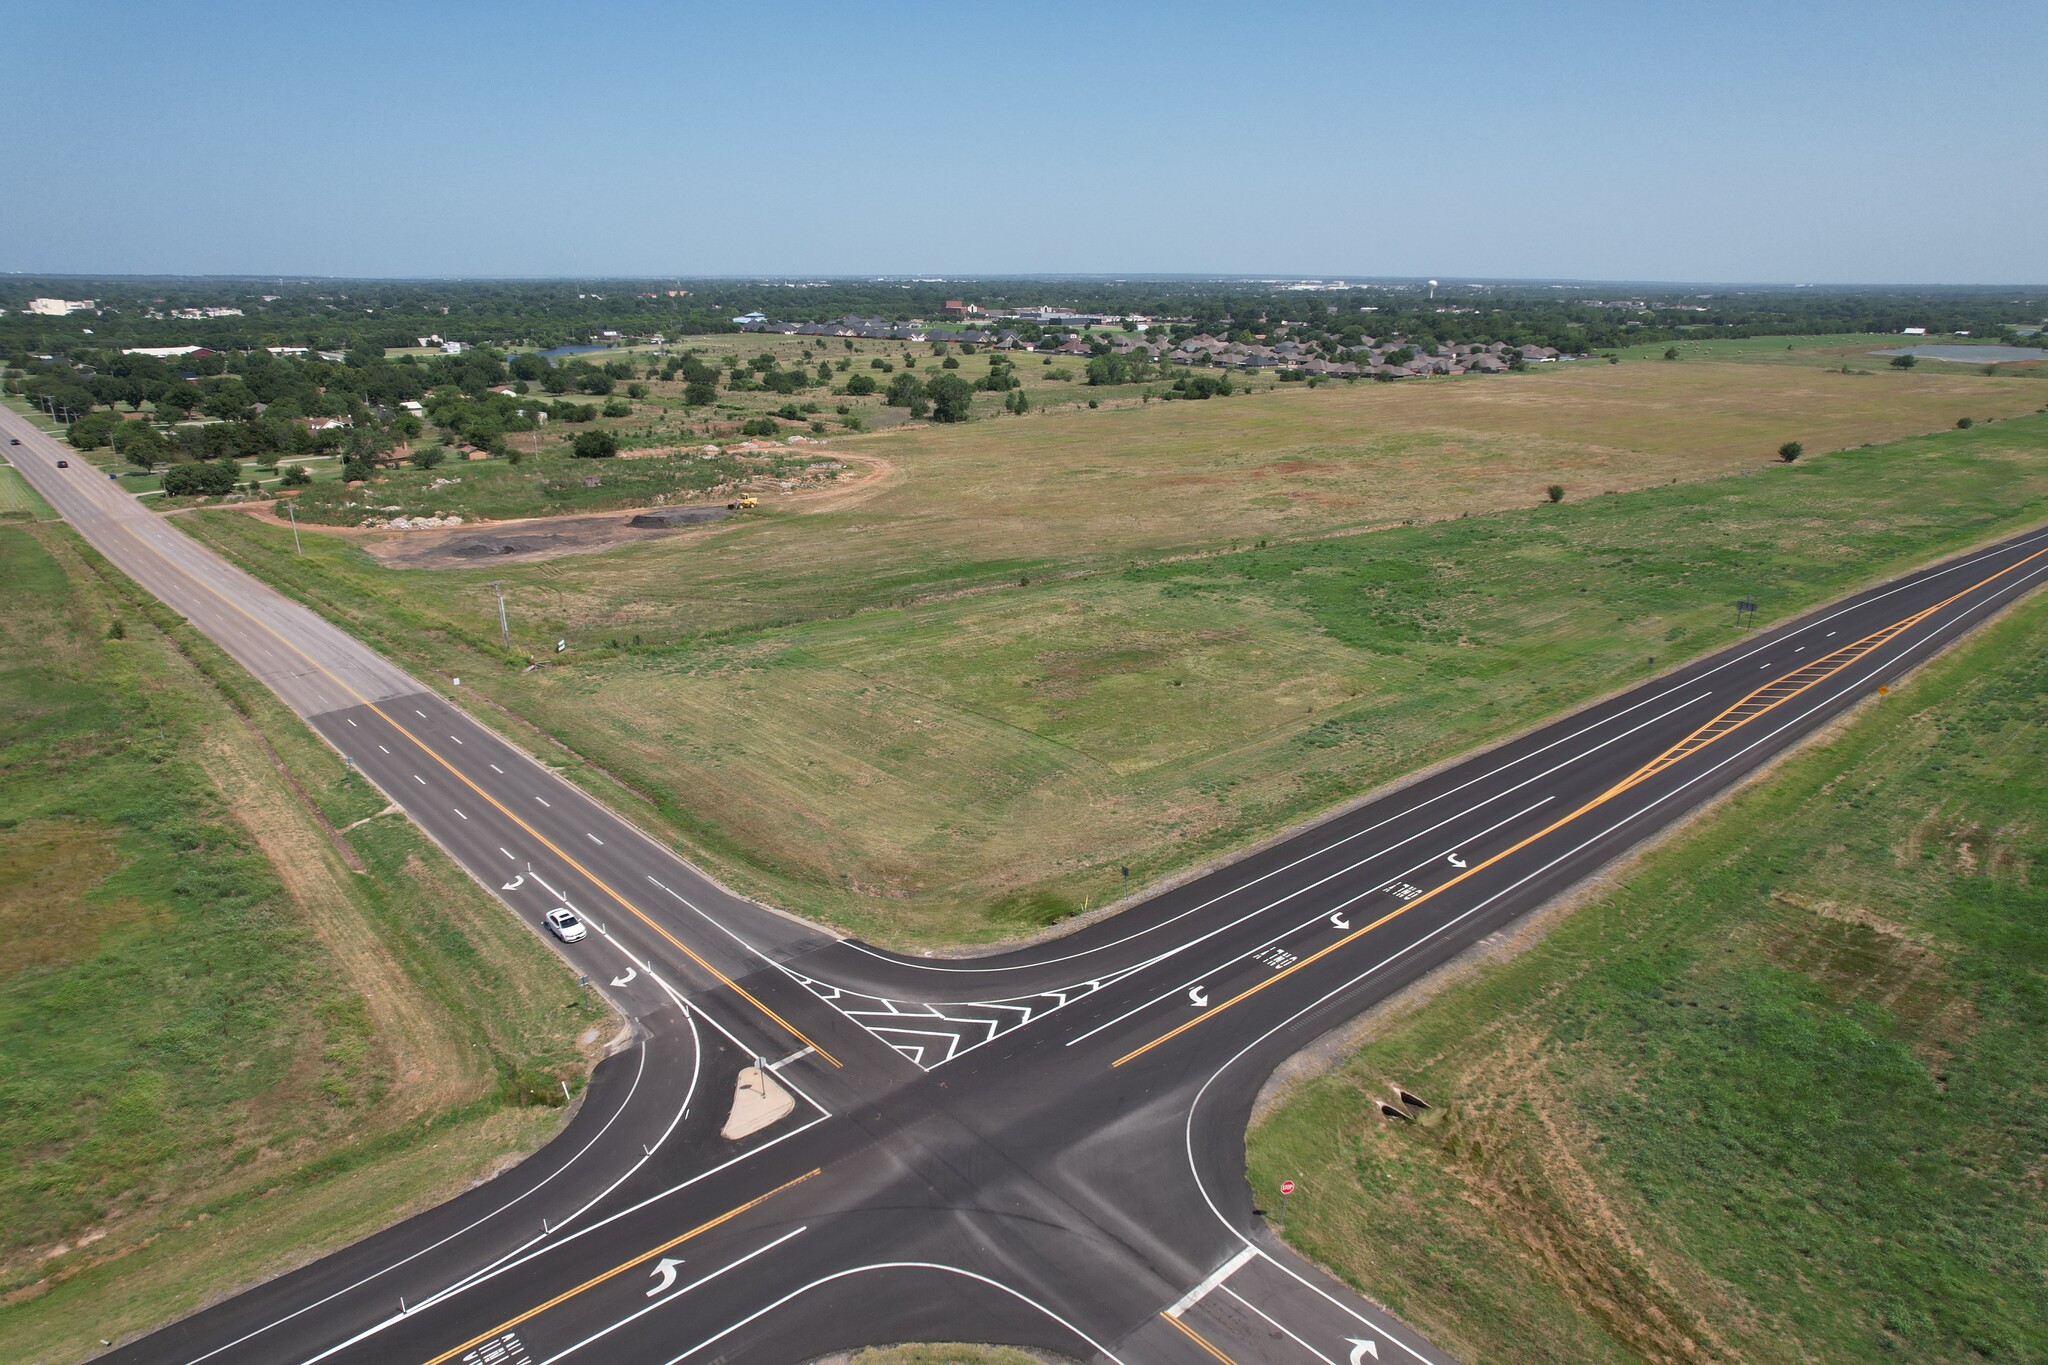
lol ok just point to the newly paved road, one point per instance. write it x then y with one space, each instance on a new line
1043 1148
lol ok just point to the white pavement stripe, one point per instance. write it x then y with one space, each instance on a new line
458 811
667 1299
1276 1322
593 838
1216 1277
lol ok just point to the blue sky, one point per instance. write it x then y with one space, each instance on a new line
1807 142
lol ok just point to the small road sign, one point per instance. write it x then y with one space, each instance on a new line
1287 1187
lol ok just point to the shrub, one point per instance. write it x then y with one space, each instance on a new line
429 457
595 445
1905 362
295 476
1556 492
1965 423
617 407
759 426
860 385
1790 451
700 393
636 390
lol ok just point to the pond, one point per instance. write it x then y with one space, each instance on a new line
573 350
1969 355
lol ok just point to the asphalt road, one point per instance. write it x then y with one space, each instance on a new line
1043 1148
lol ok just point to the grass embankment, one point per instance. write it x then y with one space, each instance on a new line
1780 1096
966 768
221 1049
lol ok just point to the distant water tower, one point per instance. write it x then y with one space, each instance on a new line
1432 291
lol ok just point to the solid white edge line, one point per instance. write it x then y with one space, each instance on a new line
469 1227
1188 1128
1100 1349
1276 1322
1856 603
672 1296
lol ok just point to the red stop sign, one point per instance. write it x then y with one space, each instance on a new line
1287 1187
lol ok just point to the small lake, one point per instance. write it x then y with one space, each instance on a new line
574 350
1969 355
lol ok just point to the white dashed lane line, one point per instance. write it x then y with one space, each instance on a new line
456 738
498 770
421 714
382 747
544 801
506 851
593 838
421 780
458 811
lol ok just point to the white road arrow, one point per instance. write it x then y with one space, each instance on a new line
1340 922
515 883
1361 1348
627 979
1455 861
666 1270
1198 996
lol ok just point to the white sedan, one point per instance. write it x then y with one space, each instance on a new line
564 925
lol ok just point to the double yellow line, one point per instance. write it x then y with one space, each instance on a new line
499 806
619 1269
1720 727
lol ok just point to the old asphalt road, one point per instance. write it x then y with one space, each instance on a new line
1042 1148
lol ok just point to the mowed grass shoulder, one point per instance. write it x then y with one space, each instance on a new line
1779 1096
967 768
229 1044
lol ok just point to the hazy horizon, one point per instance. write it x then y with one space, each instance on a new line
1832 144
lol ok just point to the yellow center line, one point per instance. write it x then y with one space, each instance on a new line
1199 1339
1699 739
619 1269
542 839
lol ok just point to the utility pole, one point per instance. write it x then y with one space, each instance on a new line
504 625
293 512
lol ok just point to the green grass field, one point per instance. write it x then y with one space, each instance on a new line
1780 1095
226 1047
988 756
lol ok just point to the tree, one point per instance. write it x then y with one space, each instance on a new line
700 393
1556 492
636 390
595 445
1790 451
617 407
905 391
596 382
1017 402
427 457
93 430
296 476
211 478
1905 362
952 398
1671 353
141 444
860 384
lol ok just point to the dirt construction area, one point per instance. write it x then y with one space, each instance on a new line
538 538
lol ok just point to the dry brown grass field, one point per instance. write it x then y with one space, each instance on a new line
952 706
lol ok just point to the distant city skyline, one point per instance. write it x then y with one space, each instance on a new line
1822 144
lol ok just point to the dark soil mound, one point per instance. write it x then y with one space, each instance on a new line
677 516
483 547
